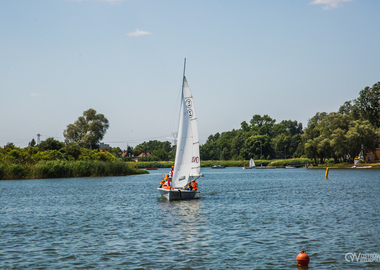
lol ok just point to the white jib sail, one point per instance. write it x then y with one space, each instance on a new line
251 163
187 163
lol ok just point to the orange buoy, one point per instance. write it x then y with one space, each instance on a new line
303 259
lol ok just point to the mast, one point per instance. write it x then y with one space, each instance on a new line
183 77
184 67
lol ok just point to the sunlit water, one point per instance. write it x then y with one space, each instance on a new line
244 219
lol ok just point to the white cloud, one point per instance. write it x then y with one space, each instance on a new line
329 3
138 33
34 95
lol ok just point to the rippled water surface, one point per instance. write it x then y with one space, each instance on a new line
244 219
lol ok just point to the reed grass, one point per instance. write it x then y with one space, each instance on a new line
293 161
66 169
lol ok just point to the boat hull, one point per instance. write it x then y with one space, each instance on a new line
177 194
248 168
217 167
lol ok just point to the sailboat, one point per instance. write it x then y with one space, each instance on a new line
187 165
251 164
218 166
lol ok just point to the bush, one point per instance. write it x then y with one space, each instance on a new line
2 171
286 162
16 171
52 169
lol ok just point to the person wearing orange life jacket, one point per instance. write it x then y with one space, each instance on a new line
167 180
194 184
162 183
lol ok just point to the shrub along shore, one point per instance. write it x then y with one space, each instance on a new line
278 163
94 168
230 163
68 169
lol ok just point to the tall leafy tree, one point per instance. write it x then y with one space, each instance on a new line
88 130
361 135
368 104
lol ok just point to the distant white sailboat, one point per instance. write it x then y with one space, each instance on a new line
187 165
251 165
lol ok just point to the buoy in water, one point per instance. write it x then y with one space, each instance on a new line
303 259
327 173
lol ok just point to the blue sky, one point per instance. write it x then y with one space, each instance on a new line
287 59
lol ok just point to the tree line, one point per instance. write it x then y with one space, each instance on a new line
340 135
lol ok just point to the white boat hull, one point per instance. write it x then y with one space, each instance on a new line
177 194
248 168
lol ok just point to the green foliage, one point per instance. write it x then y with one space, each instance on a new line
338 136
88 130
16 171
365 107
50 144
263 137
154 164
294 161
159 151
64 169
69 161
2 171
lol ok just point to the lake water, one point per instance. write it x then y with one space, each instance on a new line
244 219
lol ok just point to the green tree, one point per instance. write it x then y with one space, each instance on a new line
73 151
368 104
253 146
264 124
88 130
32 143
244 126
280 144
50 144
361 135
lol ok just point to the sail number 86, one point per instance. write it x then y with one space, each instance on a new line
195 160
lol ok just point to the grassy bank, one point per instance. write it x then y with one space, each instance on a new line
228 163
66 169
371 165
154 164
298 162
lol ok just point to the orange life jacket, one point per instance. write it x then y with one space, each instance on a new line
195 186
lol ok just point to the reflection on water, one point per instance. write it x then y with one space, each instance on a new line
188 229
244 219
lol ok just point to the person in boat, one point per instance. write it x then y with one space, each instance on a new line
171 173
194 184
167 183
188 186
162 183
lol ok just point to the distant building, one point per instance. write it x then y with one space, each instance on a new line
372 156
142 155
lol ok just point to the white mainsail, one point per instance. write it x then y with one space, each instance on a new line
187 160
